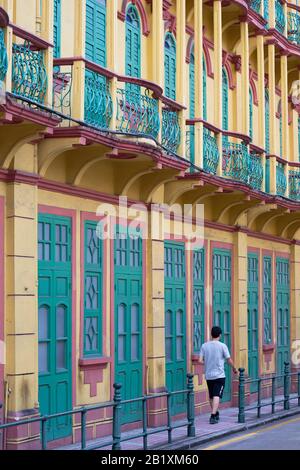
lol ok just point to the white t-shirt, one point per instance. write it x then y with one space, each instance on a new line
214 354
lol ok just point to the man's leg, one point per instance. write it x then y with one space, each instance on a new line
215 405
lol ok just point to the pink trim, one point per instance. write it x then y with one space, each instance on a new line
4 18
2 232
229 73
15 113
43 209
142 11
35 40
253 88
189 48
209 70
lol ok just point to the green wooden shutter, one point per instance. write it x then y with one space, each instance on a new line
133 43
57 29
170 66
251 113
267 139
204 91
198 299
92 291
95 47
253 318
225 99
267 280
283 312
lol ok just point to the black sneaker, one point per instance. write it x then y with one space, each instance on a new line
217 416
213 420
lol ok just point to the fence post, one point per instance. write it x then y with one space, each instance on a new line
286 384
191 406
83 429
44 433
241 416
117 418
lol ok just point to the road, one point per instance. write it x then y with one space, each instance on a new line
282 435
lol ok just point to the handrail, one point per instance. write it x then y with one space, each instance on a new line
32 38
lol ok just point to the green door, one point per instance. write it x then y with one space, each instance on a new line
175 323
222 304
253 308
129 321
54 322
283 312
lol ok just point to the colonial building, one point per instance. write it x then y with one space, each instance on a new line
158 101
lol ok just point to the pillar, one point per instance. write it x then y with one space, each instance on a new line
158 50
198 31
272 98
181 75
112 52
217 16
79 66
285 114
295 302
21 313
245 76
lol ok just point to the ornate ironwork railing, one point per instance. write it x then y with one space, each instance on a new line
171 134
98 105
62 89
29 75
256 172
294 184
3 56
235 161
211 155
255 5
281 180
137 111
279 17
294 27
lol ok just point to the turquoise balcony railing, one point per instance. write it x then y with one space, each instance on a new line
211 155
279 17
235 161
281 181
62 87
29 75
3 57
255 5
98 106
294 184
266 12
171 134
294 27
137 111
256 171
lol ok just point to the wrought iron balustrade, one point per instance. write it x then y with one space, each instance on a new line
255 170
255 5
279 17
211 155
137 111
29 74
294 27
281 180
171 134
98 105
236 161
62 89
3 57
190 144
294 184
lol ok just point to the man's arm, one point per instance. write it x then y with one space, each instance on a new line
230 363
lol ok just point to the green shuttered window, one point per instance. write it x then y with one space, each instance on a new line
96 31
92 291
170 66
198 299
57 29
133 43
267 279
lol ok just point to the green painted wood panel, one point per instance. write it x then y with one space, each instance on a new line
175 323
129 321
253 318
57 29
198 299
95 36
222 304
283 312
170 66
55 322
267 299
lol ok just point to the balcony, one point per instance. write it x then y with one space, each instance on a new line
211 154
256 5
171 133
3 57
98 106
294 184
256 171
281 179
294 27
235 161
279 17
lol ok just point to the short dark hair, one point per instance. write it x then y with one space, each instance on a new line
216 332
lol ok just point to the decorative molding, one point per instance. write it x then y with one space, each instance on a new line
139 5
4 18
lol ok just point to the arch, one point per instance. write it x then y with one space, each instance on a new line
227 67
143 15
253 89
133 42
250 112
170 65
204 91
207 59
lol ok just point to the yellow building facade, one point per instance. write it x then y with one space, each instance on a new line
160 102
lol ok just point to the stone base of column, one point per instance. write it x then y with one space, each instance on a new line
23 437
157 410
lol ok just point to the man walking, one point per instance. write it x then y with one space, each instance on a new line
213 354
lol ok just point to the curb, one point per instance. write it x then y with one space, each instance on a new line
189 443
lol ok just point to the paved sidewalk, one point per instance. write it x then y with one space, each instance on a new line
205 432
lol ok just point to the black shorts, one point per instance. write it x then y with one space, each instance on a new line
216 387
